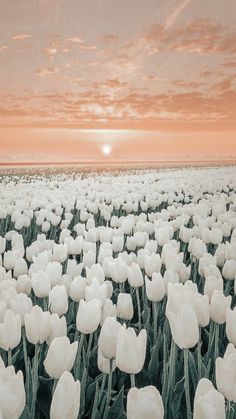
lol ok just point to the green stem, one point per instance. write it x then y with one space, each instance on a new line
155 309
35 379
108 389
171 377
139 309
9 357
132 379
78 356
104 378
89 348
217 329
186 384
199 356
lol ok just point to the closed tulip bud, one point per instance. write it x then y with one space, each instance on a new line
20 268
108 337
88 316
77 288
58 300
145 402
12 393
23 284
117 244
197 248
57 327
184 327
73 268
8 294
216 235
104 363
60 252
109 310
155 288
135 276
66 281
60 356
41 284
10 331
96 271
219 304
200 304
208 402
131 350
89 258
229 269
152 264
125 309
205 261
184 273
231 325
117 270
9 260
185 234
37 325
21 304
54 272
131 243
226 373
66 398
96 290
213 283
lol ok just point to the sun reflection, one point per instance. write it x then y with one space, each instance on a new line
106 149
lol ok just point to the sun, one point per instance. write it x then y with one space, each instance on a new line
106 149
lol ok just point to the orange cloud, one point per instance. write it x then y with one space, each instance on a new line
21 36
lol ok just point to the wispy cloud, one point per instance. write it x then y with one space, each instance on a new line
175 14
47 71
21 36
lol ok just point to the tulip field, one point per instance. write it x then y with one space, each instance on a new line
118 295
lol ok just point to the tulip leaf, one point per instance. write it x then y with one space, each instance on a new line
193 370
25 414
116 411
177 398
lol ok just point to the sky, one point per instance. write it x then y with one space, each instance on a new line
127 80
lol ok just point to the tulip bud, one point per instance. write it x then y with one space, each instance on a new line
65 404
219 304
12 393
37 325
58 300
54 272
56 327
152 264
41 284
213 283
96 271
60 357
10 331
108 337
229 269
226 373
231 325
200 304
20 267
125 309
135 276
77 288
184 327
145 402
21 304
88 316
23 284
95 290
131 350
109 310
208 402
155 288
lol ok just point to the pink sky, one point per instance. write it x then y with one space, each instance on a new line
151 79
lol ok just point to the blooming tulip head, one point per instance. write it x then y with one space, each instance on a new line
145 402
131 350
226 373
66 398
60 357
88 316
208 402
12 393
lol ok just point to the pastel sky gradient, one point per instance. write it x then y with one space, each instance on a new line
153 79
